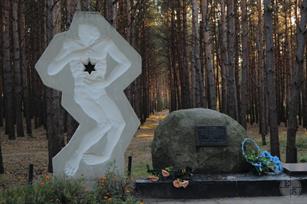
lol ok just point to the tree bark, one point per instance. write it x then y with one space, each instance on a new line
208 54
184 72
24 70
17 70
1 160
263 122
54 123
224 58
296 87
8 73
305 95
271 75
197 79
231 81
173 64
1 64
245 63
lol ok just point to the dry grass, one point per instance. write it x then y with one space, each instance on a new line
140 147
17 155
252 131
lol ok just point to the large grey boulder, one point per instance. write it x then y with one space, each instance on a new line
174 143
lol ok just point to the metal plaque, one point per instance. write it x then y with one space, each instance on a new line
211 136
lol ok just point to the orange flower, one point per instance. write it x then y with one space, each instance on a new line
165 173
47 178
177 183
153 178
184 183
180 184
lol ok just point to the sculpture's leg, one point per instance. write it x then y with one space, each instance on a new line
92 109
102 156
87 141
112 153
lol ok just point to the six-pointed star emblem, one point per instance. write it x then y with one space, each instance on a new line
89 67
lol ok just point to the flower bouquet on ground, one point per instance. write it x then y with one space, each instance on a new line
262 161
180 177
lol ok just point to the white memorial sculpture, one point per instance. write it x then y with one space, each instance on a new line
91 64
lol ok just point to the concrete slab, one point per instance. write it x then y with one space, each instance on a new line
224 186
295 169
251 200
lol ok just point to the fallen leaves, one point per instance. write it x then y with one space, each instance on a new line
178 183
153 178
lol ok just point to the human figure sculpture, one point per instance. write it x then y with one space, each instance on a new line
94 146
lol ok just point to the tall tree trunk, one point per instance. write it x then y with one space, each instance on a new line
197 79
172 62
208 54
1 64
296 87
305 94
8 73
24 69
237 50
17 70
1 68
262 93
185 79
245 63
54 122
232 88
183 67
1 160
224 58
270 72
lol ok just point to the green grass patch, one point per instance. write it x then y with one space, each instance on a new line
301 144
139 170
109 189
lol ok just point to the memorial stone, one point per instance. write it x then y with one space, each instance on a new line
207 141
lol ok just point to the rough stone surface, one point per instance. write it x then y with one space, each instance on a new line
174 143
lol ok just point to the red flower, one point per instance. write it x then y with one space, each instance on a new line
165 173
176 183
185 183
180 184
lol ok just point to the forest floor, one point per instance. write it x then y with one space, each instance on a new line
18 154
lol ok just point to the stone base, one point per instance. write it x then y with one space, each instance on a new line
295 169
219 186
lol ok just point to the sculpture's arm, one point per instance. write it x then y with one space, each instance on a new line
60 62
120 58
70 50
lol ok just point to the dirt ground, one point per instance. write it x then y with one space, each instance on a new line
18 154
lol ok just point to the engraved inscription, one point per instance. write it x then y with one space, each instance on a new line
210 136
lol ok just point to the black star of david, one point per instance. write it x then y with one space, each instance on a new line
89 67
